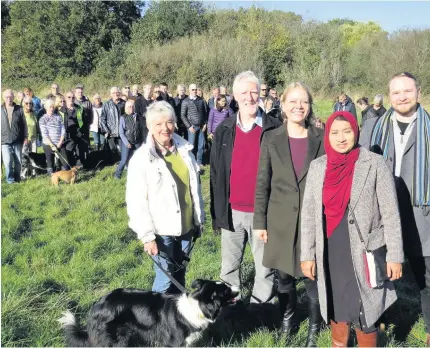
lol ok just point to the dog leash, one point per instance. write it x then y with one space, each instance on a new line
173 280
60 156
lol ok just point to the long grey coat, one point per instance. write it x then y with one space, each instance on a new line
279 195
415 220
374 202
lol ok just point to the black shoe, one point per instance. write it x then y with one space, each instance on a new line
287 307
315 323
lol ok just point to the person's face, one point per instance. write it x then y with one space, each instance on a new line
70 100
193 91
79 92
274 93
163 128
50 109
54 89
342 99
19 96
156 93
8 98
246 95
404 95
135 90
28 105
361 106
268 103
215 92
115 93
199 92
181 92
341 136
297 105
129 109
223 90
163 89
263 91
97 101
222 102
147 91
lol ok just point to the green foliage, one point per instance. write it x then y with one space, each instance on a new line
352 33
60 39
167 20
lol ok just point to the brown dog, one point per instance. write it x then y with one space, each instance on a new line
68 176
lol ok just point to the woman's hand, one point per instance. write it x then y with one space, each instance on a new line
151 248
309 269
394 270
262 234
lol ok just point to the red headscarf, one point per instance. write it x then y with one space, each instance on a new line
338 174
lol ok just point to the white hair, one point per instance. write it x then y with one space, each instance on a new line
248 76
48 103
129 102
379 99
157 109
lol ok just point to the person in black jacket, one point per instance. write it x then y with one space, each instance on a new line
131 133
378 105
367 111
109 120
345 103
194 115
233 174
87 116
181 128
142 102
13 136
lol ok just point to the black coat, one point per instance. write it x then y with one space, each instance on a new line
17 130
141 104
220 164
194 112
279 196
367 114
380 111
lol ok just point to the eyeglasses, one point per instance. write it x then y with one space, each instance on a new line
28 103
194 89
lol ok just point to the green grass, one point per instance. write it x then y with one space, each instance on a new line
63 248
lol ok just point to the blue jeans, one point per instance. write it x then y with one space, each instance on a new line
99 138
126 154
198 141
12 156
170 248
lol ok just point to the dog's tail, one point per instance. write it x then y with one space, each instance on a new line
95 168
75 336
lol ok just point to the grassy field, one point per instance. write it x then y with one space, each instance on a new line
63 248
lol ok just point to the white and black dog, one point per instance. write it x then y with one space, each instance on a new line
133 317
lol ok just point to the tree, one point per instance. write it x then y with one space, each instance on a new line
5 17
50 39
167 20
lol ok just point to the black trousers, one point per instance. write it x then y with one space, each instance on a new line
421 269
50 160
287 283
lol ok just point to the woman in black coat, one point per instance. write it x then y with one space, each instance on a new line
286 153
367 111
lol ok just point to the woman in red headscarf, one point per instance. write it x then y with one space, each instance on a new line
350 191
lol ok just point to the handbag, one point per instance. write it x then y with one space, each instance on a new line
375 261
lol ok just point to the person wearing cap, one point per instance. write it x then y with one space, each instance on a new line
95 129
87 115
109 119
194 115
55 91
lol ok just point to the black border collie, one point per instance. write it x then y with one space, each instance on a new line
133 317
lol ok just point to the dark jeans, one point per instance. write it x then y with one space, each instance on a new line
287 283
49 154
182 131
126 154
76 149
421 268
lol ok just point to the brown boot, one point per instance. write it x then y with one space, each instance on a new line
339 334
366 339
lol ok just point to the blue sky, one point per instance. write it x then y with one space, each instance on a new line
390 15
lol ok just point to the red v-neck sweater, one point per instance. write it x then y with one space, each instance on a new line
244 169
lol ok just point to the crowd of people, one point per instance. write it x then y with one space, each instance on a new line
313 200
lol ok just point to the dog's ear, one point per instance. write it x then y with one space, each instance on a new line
198 284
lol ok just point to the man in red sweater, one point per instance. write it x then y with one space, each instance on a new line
234 165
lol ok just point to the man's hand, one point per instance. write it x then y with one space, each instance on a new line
192 130
59 145
204 128
309 269
151 248
262 235
107 135
129 146
394 270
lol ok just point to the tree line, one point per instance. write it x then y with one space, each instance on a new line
102 43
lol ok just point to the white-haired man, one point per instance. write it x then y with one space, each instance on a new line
234 166
13 136
109 120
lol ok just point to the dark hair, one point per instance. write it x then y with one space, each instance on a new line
363 101
217 106
164 84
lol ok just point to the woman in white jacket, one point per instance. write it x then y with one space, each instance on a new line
164 200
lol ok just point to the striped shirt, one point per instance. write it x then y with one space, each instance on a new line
52 128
